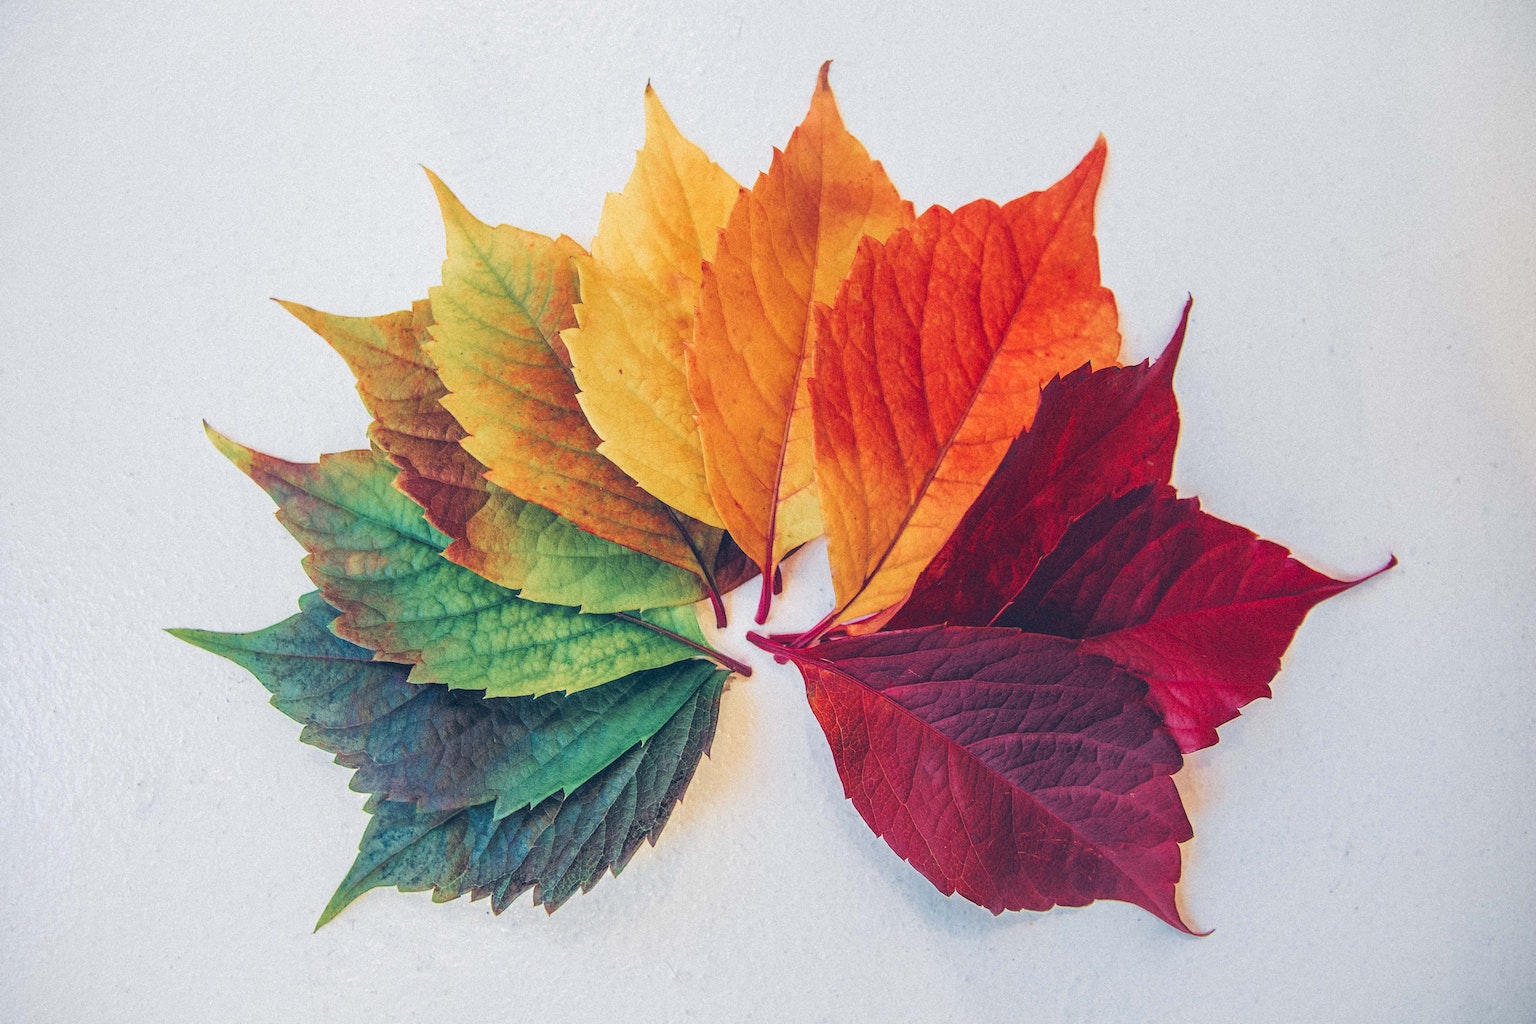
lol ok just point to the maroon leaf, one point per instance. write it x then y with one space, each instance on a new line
1098 434
1198 607
1015 770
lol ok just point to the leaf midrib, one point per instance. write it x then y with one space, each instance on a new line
944 450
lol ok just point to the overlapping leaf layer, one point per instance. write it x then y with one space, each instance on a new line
571 448
490 796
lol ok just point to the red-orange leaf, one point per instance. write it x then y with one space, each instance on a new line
931 363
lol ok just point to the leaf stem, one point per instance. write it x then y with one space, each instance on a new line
705 573
780 651
724 660
805 639
765 596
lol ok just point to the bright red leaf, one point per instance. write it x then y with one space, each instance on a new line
1018 771
1198 607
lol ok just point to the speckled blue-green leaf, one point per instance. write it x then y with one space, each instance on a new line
485 795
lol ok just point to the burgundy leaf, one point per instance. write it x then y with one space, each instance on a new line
1015 770
1198 607
1098 434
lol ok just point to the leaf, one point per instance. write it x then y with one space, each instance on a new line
1098 434
639 288
929 367
788 244
556 848
400 389
1198 607
1079 535
506 296
454 749
430 754
315 677
1018 771
445 749
494 533
374 557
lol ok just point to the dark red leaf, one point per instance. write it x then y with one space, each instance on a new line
1015 770
1198 607
1097 435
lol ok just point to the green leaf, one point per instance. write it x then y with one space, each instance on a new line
557 847
558 562
376 559
453 749
492 794
315 677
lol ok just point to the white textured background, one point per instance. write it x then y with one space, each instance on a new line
1347 189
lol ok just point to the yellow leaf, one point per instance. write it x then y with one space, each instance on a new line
788 245
638 291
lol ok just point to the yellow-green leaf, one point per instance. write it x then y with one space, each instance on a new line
506 296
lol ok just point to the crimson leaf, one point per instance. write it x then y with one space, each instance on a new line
1018 771
1198 607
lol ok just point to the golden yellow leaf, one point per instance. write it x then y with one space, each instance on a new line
638 291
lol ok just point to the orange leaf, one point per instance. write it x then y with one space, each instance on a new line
788 244
931 363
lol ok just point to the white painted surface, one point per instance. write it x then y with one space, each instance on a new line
1348 191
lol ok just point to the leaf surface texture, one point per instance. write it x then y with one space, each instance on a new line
930 365
639 289
788 245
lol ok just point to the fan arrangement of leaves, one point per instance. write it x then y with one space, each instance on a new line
572 447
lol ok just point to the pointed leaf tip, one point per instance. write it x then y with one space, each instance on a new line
195 637
454 212
1391 563
1169 360
306 315
234 451
339 902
